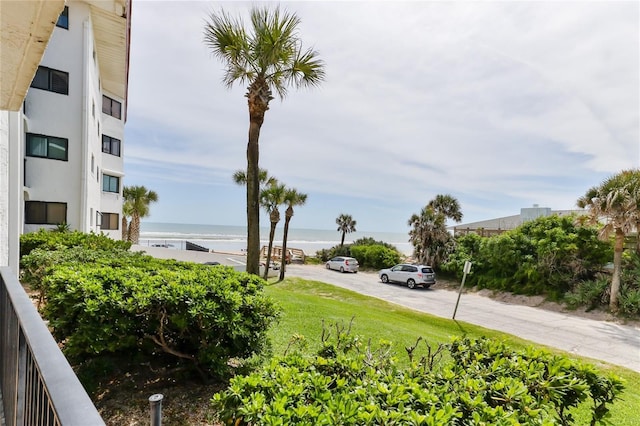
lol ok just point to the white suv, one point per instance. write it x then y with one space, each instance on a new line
411 275
343 264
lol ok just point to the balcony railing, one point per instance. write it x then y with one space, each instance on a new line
38 385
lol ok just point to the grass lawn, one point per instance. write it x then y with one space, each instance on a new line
306 304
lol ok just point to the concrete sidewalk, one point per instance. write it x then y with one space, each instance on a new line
600 340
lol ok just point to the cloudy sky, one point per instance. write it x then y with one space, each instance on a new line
501 104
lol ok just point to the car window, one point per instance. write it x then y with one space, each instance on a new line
409 268
427 270
397 268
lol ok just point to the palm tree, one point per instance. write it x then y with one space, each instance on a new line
240 177
138 199
291 198
271 198
448 206
429 234
269 57
616 200
346 224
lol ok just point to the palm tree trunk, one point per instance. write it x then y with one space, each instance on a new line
617 266
283 264
253 190
134 229
125 229
272 233
342 240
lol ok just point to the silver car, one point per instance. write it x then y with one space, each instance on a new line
343 264
411 275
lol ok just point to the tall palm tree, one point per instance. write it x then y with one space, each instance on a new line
271 198
291 198
616 201
346 224
267 57
138 199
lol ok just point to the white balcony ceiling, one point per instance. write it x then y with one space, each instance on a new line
26 29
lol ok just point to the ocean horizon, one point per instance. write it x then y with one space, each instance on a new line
230 238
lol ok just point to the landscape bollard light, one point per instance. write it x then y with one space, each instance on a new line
155 401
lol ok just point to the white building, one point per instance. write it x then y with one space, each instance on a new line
61 149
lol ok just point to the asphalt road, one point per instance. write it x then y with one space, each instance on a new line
600 340
606 341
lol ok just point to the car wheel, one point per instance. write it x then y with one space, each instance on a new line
355 272
342 269
384 279
328 267
411 284
426 286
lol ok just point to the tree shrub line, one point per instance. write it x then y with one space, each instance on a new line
369 253
467 382
101 299
554 256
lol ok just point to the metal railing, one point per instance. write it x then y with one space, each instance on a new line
38 385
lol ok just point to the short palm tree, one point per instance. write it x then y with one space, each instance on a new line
270 198
291 198
429 235
269 57
137 200
346 224
616 201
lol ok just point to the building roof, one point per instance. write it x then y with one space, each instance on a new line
507 222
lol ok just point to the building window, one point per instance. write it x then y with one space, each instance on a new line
110 183
43 213
111 106
110 221
111 145
63 19
47 147
51 80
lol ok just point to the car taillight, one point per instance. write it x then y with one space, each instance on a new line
419 275
346 262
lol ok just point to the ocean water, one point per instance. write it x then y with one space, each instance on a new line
234 238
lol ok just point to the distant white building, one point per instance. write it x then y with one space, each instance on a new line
487 228
62 145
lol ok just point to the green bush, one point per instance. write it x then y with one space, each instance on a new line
100 298
549 255
198 313
375 256
592 293
53 240
469 382
369 252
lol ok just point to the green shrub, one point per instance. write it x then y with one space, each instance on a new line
53 240
549 255
592 293
375 256
198 313
469 382
369 252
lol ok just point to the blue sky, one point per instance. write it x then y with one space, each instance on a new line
501 104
